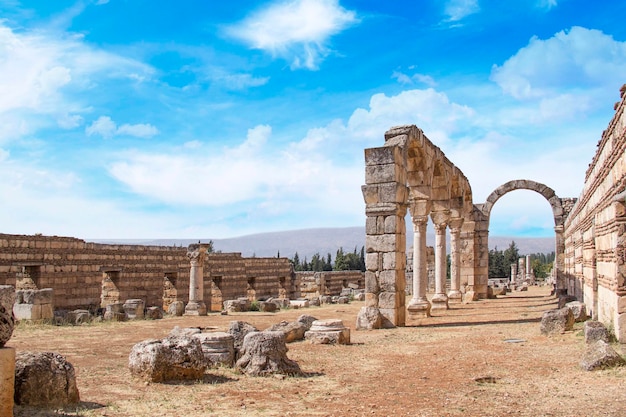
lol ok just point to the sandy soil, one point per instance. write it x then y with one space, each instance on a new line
462 362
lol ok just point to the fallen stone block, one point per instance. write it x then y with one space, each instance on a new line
369 318
564 299
331 331
134 308
170 359
218 348
239 330
594 331
78 317
600 355
293 331
265 354
299 303
154 313
115 312
579 310
557 321
267 306
44 379
176 308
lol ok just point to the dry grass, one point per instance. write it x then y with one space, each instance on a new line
425 370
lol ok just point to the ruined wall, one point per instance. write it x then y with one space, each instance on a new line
314 284
594 232
76 270
92 275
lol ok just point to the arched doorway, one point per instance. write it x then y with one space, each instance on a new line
560 209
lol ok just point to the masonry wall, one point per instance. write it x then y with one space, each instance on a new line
595 230
92 275
315 284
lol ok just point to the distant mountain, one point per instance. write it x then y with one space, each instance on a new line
326 240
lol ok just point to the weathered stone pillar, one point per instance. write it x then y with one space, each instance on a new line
196 254
455 259
513 273
385 195
419 305
440 299
559 262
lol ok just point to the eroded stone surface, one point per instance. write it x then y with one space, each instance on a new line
594 331
239 330
44 379
265 354
557 321
7 320
331 331
171 359
293 330
600 355
218 348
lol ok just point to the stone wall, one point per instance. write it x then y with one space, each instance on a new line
594 234
314 284
91 275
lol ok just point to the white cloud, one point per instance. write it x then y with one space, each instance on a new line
547 4
415 78
573 60
296 30
107 128
457 10
42 74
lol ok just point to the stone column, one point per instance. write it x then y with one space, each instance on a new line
196 307
455 259
521 269
419 305
440 299
513 273
528 270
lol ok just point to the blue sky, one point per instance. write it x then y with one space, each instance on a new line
157 119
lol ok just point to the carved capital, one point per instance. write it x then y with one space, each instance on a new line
440 218
420 207
455 224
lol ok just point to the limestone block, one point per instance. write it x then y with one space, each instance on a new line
239 330
557 321
371 299
387 281
78 317
43 296
265 354
293 331
235 306
371 262
154 313
7 381
184 331
7 296
218 348
594 331
267 306
369 318
579 310
600 355
343 300
375 174
388 299
170 359
176 308
115 312
380 243
134 308
44 379
391 317
7 323
564 299
299 303
330 331
381 155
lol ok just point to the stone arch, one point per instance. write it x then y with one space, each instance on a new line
559 219
409 173
547 192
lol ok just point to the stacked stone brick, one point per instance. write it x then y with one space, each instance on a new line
595 231
91 275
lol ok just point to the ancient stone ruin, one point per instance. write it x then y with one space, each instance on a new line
410 174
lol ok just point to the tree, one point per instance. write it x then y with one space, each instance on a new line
497 264
511 256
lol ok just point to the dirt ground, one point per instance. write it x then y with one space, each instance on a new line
486 358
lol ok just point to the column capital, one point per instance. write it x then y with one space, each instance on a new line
419 207
440 218
455 224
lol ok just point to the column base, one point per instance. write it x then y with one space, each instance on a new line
7 381
418 309
455 296
439 302
195 308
